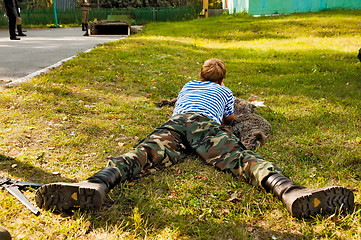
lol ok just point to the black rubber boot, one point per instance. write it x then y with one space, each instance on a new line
302 202
85 26
20 31
89 194
15 38
12 31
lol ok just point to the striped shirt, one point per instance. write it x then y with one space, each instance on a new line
209 98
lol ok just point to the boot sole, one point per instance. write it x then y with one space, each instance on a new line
62 197
323 200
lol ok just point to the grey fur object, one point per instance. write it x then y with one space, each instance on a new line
250 128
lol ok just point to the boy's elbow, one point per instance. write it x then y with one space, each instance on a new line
228 120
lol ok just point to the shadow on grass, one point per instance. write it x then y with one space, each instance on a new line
27 172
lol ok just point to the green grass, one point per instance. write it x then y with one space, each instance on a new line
304 68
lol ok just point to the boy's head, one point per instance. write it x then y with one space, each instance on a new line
213 70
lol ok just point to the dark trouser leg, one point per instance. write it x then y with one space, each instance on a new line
20 30
84 27
12 27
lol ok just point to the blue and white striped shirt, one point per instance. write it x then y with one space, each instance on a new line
209 98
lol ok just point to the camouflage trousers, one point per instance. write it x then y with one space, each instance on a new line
188 133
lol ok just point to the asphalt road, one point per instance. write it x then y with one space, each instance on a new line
41 50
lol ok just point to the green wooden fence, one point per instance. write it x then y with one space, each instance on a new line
73 16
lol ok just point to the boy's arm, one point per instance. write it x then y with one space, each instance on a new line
228 120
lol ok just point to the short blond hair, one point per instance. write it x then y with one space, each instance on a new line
213 70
